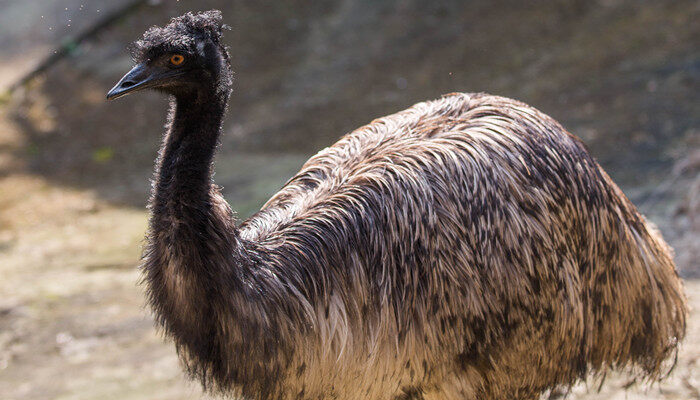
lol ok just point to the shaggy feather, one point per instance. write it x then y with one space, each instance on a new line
183 32
465 248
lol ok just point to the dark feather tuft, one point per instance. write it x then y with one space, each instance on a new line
181 34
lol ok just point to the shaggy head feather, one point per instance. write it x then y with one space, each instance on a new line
182 35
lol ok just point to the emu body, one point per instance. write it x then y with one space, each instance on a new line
465 248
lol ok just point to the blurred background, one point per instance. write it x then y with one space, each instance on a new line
74 169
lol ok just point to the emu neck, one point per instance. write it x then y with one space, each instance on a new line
186 161
183 178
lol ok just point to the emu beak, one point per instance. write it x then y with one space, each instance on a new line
140 77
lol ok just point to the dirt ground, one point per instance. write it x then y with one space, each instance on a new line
74 170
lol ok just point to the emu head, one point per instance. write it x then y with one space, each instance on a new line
184 57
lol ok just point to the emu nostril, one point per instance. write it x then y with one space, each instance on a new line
127 84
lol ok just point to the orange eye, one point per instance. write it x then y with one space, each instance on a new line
177 59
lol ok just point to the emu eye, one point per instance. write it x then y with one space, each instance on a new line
177 59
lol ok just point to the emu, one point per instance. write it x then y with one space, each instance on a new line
464 248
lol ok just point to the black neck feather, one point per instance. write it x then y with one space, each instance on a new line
184 171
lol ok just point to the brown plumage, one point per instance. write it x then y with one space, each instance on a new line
465 248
